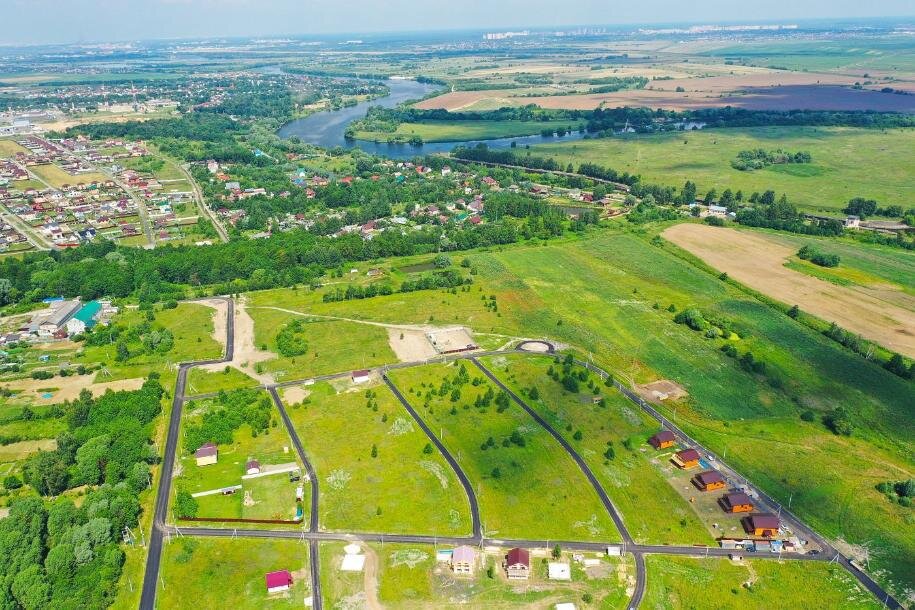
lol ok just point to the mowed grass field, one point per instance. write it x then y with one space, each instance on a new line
57 177
652 511
534 490
8 148
455 131
227 573
401 490
680 582
847 162
598 293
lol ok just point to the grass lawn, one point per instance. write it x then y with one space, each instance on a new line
33 430
847 162
8 148
200 381
361 493
533 490
226 573
681 583
455 131
57 177
651 509
333 345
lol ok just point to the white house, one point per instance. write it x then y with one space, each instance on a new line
360 376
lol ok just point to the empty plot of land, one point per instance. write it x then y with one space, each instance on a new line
758 261
45 391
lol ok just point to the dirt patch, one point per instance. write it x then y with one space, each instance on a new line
758 262
245 355
410 345
295 394
450 340
219 319
33 389
663 389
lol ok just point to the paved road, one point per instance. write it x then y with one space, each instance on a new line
476 526
201 204
640 576
151 576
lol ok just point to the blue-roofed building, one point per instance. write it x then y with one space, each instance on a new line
84 319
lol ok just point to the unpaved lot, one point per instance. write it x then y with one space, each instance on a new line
68 387
758 262
410 345
246 354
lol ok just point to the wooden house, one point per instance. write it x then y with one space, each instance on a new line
737 503
709 480
763 525
663 439
686 459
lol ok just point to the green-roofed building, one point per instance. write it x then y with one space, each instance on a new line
84 319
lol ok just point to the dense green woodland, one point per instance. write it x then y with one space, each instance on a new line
55 555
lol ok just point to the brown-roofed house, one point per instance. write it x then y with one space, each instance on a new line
709 480
764 525
737 503
663 439
253 467
688 458
518 564
207 454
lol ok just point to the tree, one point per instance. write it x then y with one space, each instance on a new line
896 365
185 504
428 449
374 450
31 588
839 422
441 261
557 552
794 312
12 482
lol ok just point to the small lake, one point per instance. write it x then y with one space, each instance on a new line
327 128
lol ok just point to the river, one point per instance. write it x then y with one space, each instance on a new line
327 128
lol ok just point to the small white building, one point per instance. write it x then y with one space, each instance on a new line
559 571
717 210
852 222
360 376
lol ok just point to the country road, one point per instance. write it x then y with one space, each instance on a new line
314 536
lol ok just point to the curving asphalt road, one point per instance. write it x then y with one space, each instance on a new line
313 535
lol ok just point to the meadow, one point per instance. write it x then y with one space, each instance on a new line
57 177
227 573
339 427
847 162
679 582
651 509
526 484
456 131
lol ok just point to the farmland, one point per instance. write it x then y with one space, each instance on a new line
527 485
369 455
846 163
880 312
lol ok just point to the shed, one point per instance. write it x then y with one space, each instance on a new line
207 454
663 439
688 458
518 564
559 571
360 376
709 480
253 467
278 581
463 560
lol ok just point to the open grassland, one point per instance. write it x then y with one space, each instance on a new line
8 148
527 486
333 345
454 131
598 294
677 582
846 163
339 426
200 381
226 573
758 261
652 511
57 177
411 579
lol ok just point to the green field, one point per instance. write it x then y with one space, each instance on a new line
57 177
652 511
678 582
847 162
456 131
225 573
362 493
533 490
200 381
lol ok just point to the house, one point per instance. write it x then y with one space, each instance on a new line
278 581
48 321
717 210
764 525
737 503
686 459
253 467
709 480
84 319
463 560
559 571
206 455
663 439
360 376
518 564
852 222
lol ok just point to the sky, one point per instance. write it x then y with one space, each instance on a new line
54 21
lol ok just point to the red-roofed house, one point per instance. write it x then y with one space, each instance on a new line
663 439
518 564
278 581
709 480
688 458
765 525
737 503
360 376
207 454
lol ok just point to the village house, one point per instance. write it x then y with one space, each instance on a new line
463 560
278 581
663 440
709 480
360 376
84 319
518 564
737 502
763 525
253 467
206 455
686 459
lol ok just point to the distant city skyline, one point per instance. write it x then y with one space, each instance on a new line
53 21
